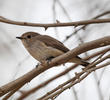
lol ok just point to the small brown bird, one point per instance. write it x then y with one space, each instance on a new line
44 47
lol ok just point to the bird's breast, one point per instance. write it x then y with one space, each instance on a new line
41 52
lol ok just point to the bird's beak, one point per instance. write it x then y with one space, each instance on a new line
20 38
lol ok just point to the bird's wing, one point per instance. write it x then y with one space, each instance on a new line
49 41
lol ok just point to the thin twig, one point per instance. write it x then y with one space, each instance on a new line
84 27
56 61
78 77
60 74
65 24
11 93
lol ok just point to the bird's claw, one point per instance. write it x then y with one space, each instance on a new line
37 65
49 59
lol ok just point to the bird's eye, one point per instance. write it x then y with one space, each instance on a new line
28 36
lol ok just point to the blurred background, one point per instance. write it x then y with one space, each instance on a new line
15 61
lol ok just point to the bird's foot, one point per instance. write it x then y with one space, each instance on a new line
64 64
49 59
37 65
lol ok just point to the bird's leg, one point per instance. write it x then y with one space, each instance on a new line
49 59
64 64
46 61
37 65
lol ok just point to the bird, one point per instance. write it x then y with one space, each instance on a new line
45 48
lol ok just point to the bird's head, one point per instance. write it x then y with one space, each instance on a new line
27 37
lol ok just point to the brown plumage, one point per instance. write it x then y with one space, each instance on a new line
41 47
49 41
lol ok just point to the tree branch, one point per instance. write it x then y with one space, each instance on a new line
77 23
27 93
76 79
56 61
84 26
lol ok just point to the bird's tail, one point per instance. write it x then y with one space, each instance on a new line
85 63
80 61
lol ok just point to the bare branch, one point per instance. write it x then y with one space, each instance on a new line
78 77
56 61
77 23
11 93
27 93
84 27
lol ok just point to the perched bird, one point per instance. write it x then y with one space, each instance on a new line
44 47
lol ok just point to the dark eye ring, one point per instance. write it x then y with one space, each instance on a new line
29 36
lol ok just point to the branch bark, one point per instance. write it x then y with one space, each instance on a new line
77 23
76 79
56 61
27 93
